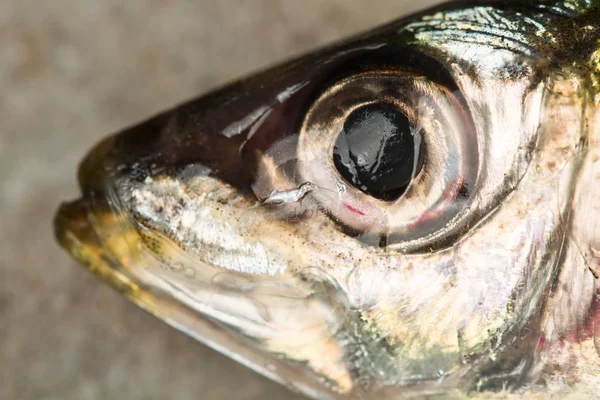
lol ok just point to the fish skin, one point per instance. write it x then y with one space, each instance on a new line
492 293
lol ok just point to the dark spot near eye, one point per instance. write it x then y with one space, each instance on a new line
377 151
463 192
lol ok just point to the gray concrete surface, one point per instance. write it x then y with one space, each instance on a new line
72 71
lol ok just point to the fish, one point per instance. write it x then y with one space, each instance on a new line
412 212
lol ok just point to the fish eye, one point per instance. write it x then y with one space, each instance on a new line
376 150
393 155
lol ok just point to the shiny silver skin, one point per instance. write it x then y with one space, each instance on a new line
480 281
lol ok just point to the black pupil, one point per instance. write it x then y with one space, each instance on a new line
376 151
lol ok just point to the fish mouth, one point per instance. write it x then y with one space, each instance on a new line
85 226
80 238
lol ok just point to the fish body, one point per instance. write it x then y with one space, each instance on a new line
411 212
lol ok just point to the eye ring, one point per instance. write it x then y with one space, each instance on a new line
436 200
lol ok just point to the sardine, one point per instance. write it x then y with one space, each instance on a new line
411 212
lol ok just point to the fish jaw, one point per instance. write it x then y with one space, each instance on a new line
209 305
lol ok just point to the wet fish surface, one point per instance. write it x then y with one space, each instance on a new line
410 213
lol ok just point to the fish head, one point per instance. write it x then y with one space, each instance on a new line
412 211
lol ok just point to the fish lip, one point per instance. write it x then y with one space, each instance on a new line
66 218
76 222
75 232
72 228
94 168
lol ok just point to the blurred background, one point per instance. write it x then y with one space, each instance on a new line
72 71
